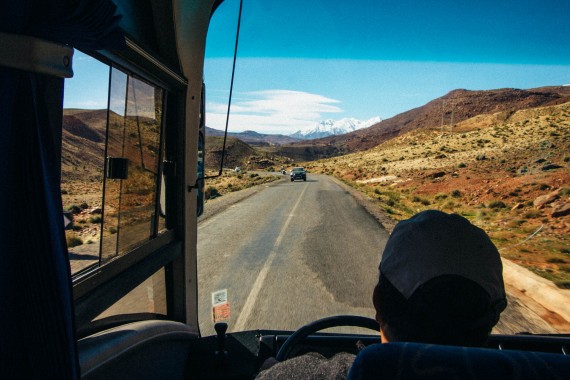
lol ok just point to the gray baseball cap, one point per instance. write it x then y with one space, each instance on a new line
433 243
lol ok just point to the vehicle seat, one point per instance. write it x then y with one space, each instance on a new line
424 361
138 350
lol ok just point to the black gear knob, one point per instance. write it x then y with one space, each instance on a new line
221 328
221 354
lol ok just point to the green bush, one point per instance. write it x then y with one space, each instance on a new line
96 219
532 215
211 193
139 183
74 209
423 201
456 193
497 204
73 241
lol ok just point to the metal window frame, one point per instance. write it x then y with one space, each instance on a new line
98 287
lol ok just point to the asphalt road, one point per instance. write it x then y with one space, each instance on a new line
293 252
288 255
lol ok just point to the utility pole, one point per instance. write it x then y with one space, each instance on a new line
442 113
452 111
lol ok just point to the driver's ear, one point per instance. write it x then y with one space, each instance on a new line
383 337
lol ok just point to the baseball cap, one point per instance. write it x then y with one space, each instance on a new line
433 243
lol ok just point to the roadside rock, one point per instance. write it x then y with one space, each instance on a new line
551 167
543 200
561 210
435 175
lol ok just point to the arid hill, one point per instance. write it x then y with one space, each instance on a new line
459 104
254 138
239 153
508 172
83 141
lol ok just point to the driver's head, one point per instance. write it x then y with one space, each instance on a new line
440 282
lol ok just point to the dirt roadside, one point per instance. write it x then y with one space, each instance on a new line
540 296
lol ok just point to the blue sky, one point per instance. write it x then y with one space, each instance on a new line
301 62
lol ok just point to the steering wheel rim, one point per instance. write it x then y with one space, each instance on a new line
321 324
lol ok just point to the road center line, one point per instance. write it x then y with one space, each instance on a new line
252 297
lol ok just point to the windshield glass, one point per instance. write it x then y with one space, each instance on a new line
393 108
298 169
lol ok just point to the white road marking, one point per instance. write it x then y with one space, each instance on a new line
252 297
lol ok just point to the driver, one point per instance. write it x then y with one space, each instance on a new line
440 282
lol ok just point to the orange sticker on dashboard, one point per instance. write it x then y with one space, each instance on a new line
221 312
220 306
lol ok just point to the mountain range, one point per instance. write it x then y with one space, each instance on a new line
319 130
332 127
254 138
86 128
453 107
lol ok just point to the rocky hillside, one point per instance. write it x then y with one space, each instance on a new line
83 144
239 153
254 138
456 106
508 172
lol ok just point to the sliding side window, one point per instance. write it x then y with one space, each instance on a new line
111 163
132 164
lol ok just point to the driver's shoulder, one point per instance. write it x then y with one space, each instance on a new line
310 366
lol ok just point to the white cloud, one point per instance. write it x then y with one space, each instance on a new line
272 111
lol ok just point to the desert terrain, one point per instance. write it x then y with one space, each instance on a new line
508 172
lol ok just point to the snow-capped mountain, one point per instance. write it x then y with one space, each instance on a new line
334 127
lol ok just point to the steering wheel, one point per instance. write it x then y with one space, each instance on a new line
321 324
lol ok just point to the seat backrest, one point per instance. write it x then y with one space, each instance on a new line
424 361
139 350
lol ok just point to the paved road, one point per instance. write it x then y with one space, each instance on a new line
290 254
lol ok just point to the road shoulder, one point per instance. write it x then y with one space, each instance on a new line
548 301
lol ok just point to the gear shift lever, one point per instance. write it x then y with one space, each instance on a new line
221 355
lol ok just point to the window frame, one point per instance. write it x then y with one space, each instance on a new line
98 287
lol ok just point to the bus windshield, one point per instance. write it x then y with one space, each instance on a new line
379 110
392 109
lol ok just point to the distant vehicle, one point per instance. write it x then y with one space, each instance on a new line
237 169
298 173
